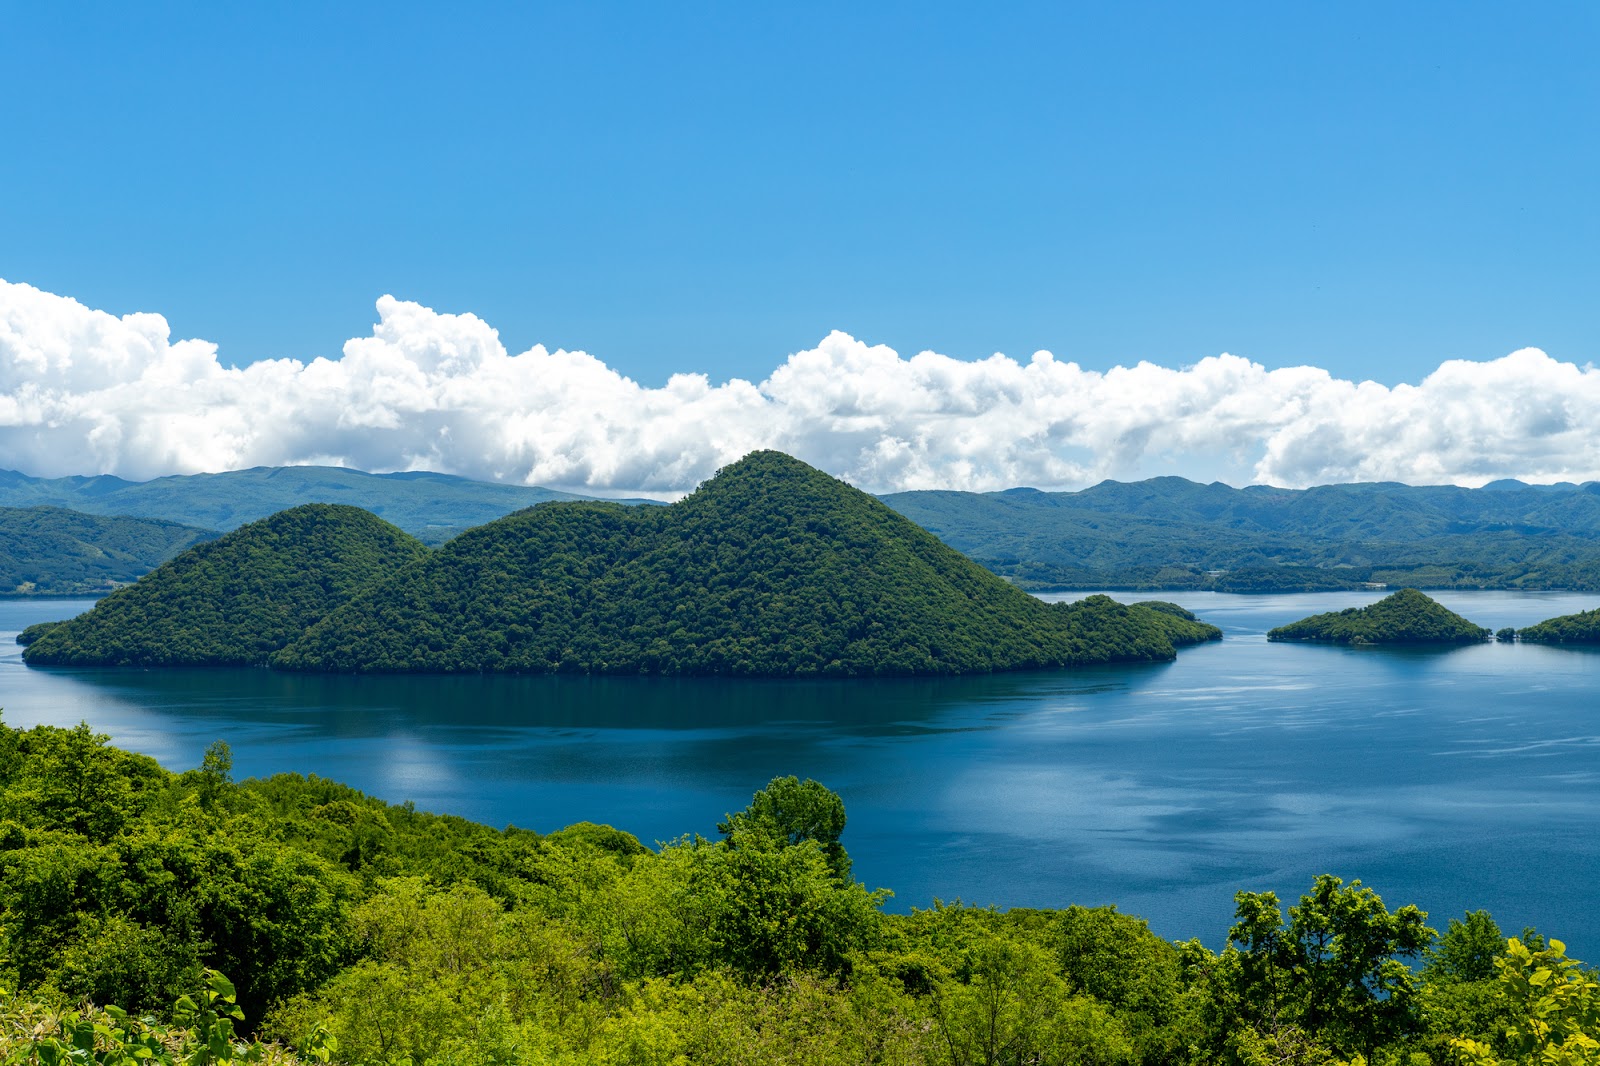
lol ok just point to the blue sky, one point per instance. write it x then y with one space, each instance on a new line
1369 188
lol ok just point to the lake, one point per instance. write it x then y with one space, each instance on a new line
1453 779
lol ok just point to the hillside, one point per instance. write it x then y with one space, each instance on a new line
53 551
772 568
1406 617
234 600
1580 628
1172 533
431 507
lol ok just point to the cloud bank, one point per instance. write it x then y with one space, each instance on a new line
83 391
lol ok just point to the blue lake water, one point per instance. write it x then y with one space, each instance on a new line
1453 779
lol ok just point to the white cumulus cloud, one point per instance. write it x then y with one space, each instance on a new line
83 391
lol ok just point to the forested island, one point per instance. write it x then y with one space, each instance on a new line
771 568
235 600
1580 628
187 918
1404 617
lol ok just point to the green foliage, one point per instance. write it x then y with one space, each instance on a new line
788 812
1554 1009
201 1034
233 601
34 632
1580 628
1405 617
771 568
1334 975
57 552
368 933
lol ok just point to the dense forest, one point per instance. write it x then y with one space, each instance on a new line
52 551
1171 533
1580 628
195 917
1404 617
771 568
235 600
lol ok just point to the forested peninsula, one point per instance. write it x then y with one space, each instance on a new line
771 568
1580 628
188 918
235 600
1405 617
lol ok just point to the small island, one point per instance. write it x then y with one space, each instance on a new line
1406 617
1580 628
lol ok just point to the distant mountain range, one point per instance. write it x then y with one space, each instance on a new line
1162 533
431 507
1169 532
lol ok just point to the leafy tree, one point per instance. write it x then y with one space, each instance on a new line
1554 1004
789 812
1335 971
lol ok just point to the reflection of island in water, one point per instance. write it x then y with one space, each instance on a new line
363 706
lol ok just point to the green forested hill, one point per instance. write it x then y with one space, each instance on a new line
1406 617
1580 628
235 600
432 507
770 568
372 934
54 551
1172 533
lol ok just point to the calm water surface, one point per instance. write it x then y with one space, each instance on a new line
1453 779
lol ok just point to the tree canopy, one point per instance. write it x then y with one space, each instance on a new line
1405 617
235 600
771 568
188 917
1580 628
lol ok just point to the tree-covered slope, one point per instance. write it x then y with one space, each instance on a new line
1580 628
54 551
430 506
771 568
1406 617
235 600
